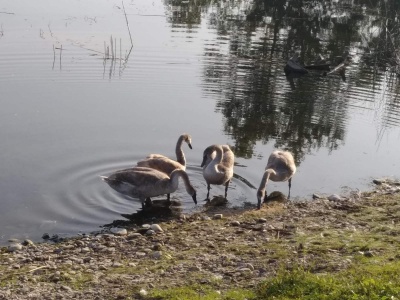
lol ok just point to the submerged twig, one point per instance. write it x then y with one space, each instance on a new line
127 24
60 56
54 56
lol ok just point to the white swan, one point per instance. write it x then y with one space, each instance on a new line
280 167
165 164
219 170
143 183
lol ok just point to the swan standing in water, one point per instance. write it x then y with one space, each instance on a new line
280 167
143 183
164 164
217 166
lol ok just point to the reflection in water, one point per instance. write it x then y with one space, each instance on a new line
244 64
160 210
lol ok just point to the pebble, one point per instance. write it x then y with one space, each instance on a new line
379 181
334 197
14 247
66 288
368 254
146 226
133 236
118 231
117 264
217 216
150 232
156 228
262 220
235 223
156 254
143 292
157 246
243 270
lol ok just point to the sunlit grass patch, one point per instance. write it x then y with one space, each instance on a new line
196 292
362 281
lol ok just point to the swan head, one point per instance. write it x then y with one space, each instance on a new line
187 139
260 197
208 155
191 191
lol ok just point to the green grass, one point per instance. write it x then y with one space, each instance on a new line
362 281
197 292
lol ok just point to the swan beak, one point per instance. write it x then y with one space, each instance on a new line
204 161
194 198
190 145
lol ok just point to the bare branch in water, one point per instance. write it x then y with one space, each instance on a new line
51 33
127 24
54 56
7 13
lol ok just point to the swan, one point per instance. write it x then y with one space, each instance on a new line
164 164
227 155
143 183
280 167
218 167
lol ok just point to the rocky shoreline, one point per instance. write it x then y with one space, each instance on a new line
218 248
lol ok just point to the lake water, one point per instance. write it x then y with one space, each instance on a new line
214 70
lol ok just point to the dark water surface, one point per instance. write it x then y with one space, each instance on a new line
213 69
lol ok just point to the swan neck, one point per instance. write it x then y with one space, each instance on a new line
218 157
265 179
180 157
182 174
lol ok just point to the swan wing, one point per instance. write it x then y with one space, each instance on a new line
162 164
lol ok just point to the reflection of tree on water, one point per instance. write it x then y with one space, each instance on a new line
244 65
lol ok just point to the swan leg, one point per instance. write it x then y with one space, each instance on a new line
168 199
226 188
208 191
290 185
146 203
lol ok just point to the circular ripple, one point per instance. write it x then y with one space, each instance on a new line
81 201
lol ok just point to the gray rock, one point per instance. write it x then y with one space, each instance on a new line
235 223
14 247
217 216
133 236
334 197
85 250
150 232
117 264
119 231
157 228
379 181
262 220
156 254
